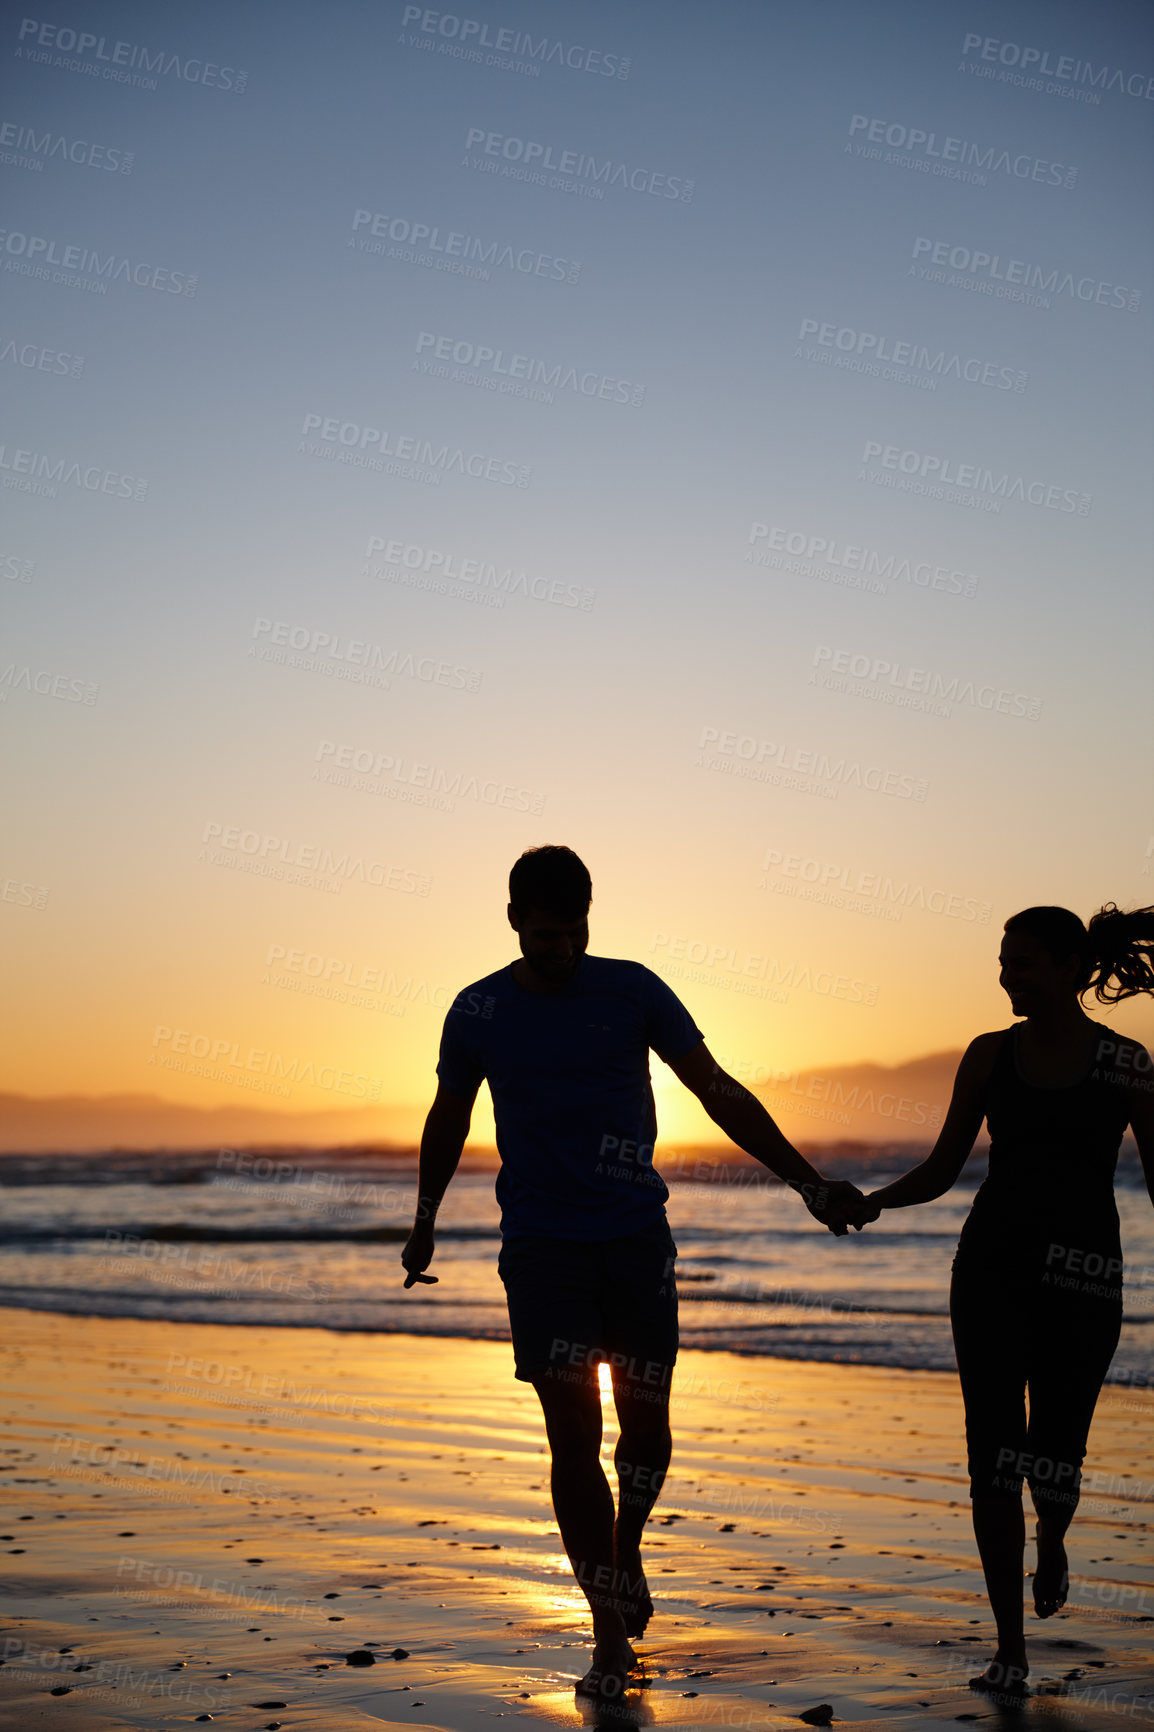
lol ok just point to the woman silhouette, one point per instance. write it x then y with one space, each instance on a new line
1036 1295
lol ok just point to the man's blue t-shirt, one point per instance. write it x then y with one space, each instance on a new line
568 1071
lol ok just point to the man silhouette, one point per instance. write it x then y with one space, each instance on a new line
587 1259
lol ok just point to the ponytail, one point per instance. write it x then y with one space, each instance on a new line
1121 950
1115 953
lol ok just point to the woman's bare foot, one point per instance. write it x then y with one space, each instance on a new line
1004 1679
1052 1575
633 1597
608 1675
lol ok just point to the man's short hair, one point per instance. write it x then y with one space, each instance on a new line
553 879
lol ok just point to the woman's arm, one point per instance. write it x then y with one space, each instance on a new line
934 1176
1142 1116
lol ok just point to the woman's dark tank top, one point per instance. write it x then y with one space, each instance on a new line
1053 1152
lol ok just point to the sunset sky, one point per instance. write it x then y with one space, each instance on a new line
793 368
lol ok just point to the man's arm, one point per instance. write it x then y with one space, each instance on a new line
442 1140
745 1121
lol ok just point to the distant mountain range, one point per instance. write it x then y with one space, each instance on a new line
85 1123
859 1103
871 1103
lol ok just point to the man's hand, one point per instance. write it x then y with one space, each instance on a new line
867 1211
847 1207
837 1204
418 1254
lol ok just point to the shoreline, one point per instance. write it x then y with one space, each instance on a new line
95 1307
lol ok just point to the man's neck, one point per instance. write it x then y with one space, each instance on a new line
527 977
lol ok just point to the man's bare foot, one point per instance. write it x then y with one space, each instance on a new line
608 1675
1004 1679
633 1597
1052 1575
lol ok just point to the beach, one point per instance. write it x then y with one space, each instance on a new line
205 1522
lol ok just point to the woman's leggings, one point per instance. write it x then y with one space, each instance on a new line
1014 1334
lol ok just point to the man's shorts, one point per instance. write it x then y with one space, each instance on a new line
574 1304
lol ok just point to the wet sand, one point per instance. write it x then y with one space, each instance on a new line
204 1522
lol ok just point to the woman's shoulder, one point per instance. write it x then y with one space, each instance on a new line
984 1049
980 1060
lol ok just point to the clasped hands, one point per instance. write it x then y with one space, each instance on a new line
838 1205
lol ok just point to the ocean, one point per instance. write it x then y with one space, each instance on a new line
314 1240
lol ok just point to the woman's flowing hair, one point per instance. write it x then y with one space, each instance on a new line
1115 952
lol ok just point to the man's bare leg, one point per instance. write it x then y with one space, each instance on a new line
583 1504
642 1459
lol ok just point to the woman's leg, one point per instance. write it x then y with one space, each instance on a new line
1000 1530
989 1342
1075 1339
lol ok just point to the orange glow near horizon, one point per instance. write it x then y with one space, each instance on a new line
239 1016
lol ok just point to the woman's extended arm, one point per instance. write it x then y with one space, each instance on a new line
1142 1119
934 1176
